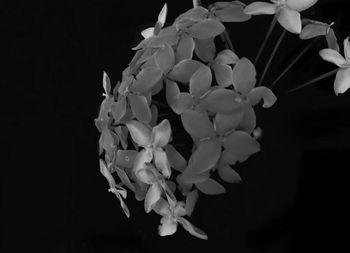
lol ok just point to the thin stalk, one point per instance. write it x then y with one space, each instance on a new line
332 72
272 55
293 62
262 46
226 39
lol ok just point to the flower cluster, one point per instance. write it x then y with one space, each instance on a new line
215 104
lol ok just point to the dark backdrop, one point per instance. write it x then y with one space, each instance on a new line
53 197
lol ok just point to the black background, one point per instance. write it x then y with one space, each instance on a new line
293 197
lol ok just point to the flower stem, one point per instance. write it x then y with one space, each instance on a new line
332 72
272 55
293 62
262 46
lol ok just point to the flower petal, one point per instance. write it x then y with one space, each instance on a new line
168 226
342 81
154 115
183 102
332 40
205 156
223 74
206 29
162 15
125 179
146 79
210 187
107 142
226 56
191 200
161 162
226 122
166 35
262 92
125 158
196 14
189 177
106 82
139 132
200 81
140 108
347 49
197 124
300 5
176 160
313 30
162 207
289 19
232 13
248 121
107 174
184 69
161 133
118 108
259 8
221 101
185 48
241 143
143 157
332 56
244 76
192 229
205 49
229 175
165 58
148 32
153 195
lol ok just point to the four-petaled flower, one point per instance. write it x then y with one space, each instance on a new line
342 79
172 214
153 141
286 11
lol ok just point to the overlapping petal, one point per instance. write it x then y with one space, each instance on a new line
140 133
153 195
183 70
185 48
140 108
205 156
168 226
165 57
226 122
197 124
223 74
146 79
206 29
176 160
210 187
228 174
191 200
221 101
161 133
161 162
200 82
244 76
241 142
332 56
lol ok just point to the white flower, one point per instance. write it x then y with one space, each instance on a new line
342 79
286 11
